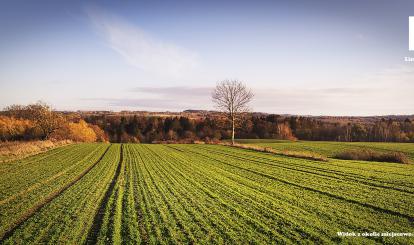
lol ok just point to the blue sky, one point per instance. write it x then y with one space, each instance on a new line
299 57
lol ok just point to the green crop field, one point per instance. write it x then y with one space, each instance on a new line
139 193
329 148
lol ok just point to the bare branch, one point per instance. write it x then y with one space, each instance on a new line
232 98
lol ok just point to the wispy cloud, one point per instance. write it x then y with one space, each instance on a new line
176 91
396 75
139 48
327 101
336 101
175 98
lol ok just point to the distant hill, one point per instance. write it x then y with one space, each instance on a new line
194 114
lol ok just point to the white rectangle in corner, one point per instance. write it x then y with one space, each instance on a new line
411 33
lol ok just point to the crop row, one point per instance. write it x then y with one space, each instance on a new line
332 148
241 199
352 189
188 193
27 188
68 217
388 174
138 193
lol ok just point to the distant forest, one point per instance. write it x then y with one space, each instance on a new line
39 122
155 129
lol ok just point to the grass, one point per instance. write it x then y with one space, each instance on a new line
331 149
16 149
25 184
297 154
375 156
137 193
67 216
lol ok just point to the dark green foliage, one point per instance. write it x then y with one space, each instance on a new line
148 129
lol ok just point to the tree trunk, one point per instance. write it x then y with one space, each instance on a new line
232 130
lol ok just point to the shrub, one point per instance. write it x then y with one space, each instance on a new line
77 132
370 155
81 132
14 129
100 134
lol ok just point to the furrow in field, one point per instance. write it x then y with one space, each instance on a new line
99 216
157 221
224 220
69 216
179 232
336 177
46 180
141 199
336 208
371 196
188 188
130 227
176 194
24 177
168 225
258 199
219 215
236 181
331 148
311 212
169 196
238 207
30 212
77 205
196 227
110 226
310 188
346 168
323 169
129 221
178 191
16 207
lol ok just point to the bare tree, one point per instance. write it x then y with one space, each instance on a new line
232 98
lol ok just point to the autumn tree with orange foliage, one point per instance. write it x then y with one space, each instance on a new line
14 129
76 131
39 121
81 132
44 118
100 134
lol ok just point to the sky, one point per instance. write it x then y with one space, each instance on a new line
299 57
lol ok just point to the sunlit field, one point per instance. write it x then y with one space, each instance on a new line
131 193
329 148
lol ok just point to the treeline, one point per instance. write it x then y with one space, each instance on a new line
39 122
156 129
381 130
